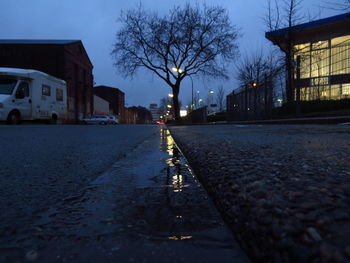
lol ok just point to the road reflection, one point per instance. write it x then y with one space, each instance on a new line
148 201
174 177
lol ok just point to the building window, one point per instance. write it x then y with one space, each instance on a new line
59 94
345 90
340 55
322 59
46 90
303 51
335 92
319 62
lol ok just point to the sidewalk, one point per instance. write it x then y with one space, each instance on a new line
308 120
283 189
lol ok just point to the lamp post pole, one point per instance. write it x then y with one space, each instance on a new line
192 106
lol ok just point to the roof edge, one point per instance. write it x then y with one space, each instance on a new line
316 23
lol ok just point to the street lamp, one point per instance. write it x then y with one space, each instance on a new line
192 106
170 95
199 102
178 70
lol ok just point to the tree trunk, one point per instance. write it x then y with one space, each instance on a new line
176 90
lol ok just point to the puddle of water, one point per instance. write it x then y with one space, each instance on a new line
148 207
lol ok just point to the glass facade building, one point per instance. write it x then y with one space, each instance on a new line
318 62
321 55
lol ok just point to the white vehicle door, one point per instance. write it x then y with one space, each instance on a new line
23 100
45 102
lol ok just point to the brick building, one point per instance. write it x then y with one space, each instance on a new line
116 99
64 59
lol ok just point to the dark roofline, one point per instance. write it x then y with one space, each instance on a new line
39 41
44 42
316 23
108 87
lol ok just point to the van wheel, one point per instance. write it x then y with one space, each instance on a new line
14 118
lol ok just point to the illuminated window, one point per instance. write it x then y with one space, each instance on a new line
320 45
340 55
335 92
320 62
303 51
340 41
345 90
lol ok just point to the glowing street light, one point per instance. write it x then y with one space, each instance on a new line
178 70
254 84
211 92
169 106
170 95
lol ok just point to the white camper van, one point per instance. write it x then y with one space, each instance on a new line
27 94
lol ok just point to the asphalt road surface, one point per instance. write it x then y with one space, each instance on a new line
41 165
104 194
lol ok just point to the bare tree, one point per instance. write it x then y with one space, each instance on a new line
259 71
188 41
220 98
285 13
254 68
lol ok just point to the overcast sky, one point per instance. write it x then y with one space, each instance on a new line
95 23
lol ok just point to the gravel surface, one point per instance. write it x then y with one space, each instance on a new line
284 189
41 165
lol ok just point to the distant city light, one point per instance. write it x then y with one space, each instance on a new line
170 95
211 92
183 113
169 106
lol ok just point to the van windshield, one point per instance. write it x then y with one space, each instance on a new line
7 85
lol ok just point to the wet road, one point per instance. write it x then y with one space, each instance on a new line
146 207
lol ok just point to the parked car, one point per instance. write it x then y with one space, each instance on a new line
97 119
113 120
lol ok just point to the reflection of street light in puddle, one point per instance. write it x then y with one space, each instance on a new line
178 183
169 144
179 237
